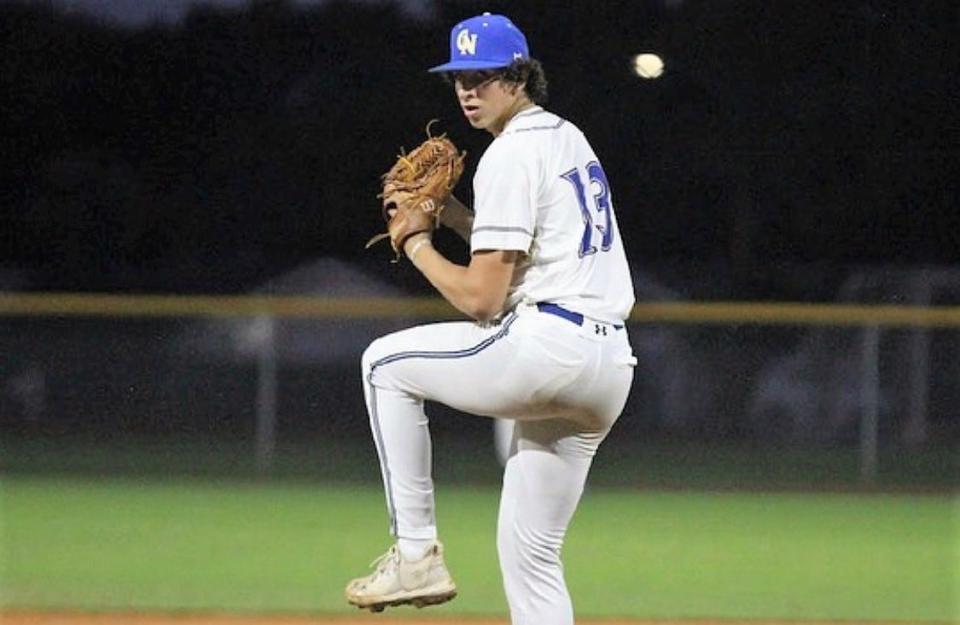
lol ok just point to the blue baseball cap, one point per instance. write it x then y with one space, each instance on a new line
484 42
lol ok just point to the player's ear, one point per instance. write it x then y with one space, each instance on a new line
514 87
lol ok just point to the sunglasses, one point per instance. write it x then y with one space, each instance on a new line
469 80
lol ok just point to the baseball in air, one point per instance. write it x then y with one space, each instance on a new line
647 65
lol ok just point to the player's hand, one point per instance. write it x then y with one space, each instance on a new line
392 199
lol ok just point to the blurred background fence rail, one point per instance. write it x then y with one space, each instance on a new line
858 394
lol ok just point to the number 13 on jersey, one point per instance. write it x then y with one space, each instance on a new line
601 207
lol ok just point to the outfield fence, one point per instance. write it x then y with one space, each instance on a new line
860 376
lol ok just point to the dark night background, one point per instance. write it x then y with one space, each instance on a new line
792 151
212 154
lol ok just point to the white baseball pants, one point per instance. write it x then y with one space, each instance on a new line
563 385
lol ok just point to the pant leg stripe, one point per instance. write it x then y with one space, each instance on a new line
378 440
375 413
459 353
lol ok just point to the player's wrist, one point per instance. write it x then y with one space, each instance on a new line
413 245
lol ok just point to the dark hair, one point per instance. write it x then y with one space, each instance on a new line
528 72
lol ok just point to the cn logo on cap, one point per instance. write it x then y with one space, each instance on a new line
467 42
484 42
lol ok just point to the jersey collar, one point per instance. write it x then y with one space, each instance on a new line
533 110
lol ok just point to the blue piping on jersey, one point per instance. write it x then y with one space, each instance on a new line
537 110
531 113
375 414
559 123
503 229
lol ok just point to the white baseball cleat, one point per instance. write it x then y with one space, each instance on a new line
396 581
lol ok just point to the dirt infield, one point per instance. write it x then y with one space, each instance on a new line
32 618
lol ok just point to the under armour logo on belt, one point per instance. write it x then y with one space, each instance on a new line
599 329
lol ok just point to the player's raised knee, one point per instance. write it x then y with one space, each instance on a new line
371 355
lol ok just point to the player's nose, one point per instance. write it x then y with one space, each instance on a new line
463 92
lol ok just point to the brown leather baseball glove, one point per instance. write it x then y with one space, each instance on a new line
415 188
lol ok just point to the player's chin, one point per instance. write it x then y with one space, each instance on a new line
476 121
474 117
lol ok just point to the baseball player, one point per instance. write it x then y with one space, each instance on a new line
548 288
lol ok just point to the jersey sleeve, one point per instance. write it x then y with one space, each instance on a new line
505 197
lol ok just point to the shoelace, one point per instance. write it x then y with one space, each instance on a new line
383 561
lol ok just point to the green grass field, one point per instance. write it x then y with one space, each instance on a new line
152 544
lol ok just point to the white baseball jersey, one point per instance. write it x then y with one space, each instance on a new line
540 189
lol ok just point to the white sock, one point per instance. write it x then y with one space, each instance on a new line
414 549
